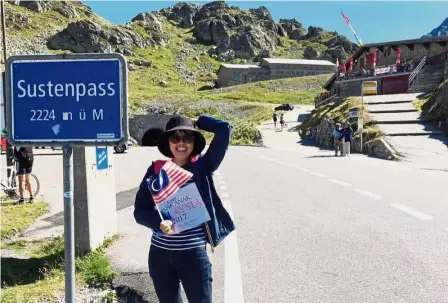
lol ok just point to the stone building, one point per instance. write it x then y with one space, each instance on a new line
271 68
396 66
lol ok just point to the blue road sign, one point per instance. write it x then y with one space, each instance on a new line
68 100
101 158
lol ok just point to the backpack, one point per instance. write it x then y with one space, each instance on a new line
27 153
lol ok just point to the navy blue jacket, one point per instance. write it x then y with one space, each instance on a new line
220 224
347 134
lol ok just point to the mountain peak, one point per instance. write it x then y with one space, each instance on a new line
441 30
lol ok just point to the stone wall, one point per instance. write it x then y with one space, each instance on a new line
440 111
378 148
388 56
228 76
139 124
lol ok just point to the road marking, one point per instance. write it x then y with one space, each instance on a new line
318 174
368 194
233 283
410 211
303 169
339 182
223 187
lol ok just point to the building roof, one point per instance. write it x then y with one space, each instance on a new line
297 61
240 65
365 47
330 81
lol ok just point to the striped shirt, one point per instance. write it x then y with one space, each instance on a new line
187 239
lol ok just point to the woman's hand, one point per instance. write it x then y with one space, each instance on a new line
165 227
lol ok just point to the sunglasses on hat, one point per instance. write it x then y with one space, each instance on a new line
186 138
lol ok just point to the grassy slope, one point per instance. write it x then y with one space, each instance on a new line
41 279
341 113
15 218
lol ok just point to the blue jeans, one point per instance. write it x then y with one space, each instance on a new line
192 267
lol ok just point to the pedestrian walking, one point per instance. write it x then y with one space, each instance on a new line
25 160
337 140
274 117
182 258
346 136
282 121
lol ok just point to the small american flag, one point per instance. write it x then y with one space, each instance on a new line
170 178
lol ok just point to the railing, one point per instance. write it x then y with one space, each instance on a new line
324 98
415 72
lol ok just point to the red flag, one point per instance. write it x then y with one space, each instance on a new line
397 61
345 18
170 178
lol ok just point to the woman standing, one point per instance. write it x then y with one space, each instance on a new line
182 257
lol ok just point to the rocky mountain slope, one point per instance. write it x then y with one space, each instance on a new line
173 54
441 30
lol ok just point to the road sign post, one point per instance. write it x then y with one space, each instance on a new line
367 88
67 100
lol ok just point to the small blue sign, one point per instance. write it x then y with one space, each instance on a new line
101 158
68 101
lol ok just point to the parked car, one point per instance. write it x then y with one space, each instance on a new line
119 149
286 107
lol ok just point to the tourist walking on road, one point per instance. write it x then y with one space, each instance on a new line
25 160
282 121
274 117
347 133
182 257
337 133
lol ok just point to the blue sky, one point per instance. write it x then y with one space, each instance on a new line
373 21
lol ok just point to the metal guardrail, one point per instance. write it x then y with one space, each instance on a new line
324 98
417 70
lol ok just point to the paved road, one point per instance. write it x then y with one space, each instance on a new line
311 227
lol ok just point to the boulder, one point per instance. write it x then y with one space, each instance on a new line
341 41
311 53
297 34
212 9
261 13
202 30
183 13
314 31
337 53
248 42
65 8
281 31
219 32
230 20
290 24
86 36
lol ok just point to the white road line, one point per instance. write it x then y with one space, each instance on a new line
223 187
339 182
305 170
410 211
233 283
318 174
368 194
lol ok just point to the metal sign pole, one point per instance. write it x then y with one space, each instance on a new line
69 225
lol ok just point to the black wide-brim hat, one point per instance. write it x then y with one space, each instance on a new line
180 123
